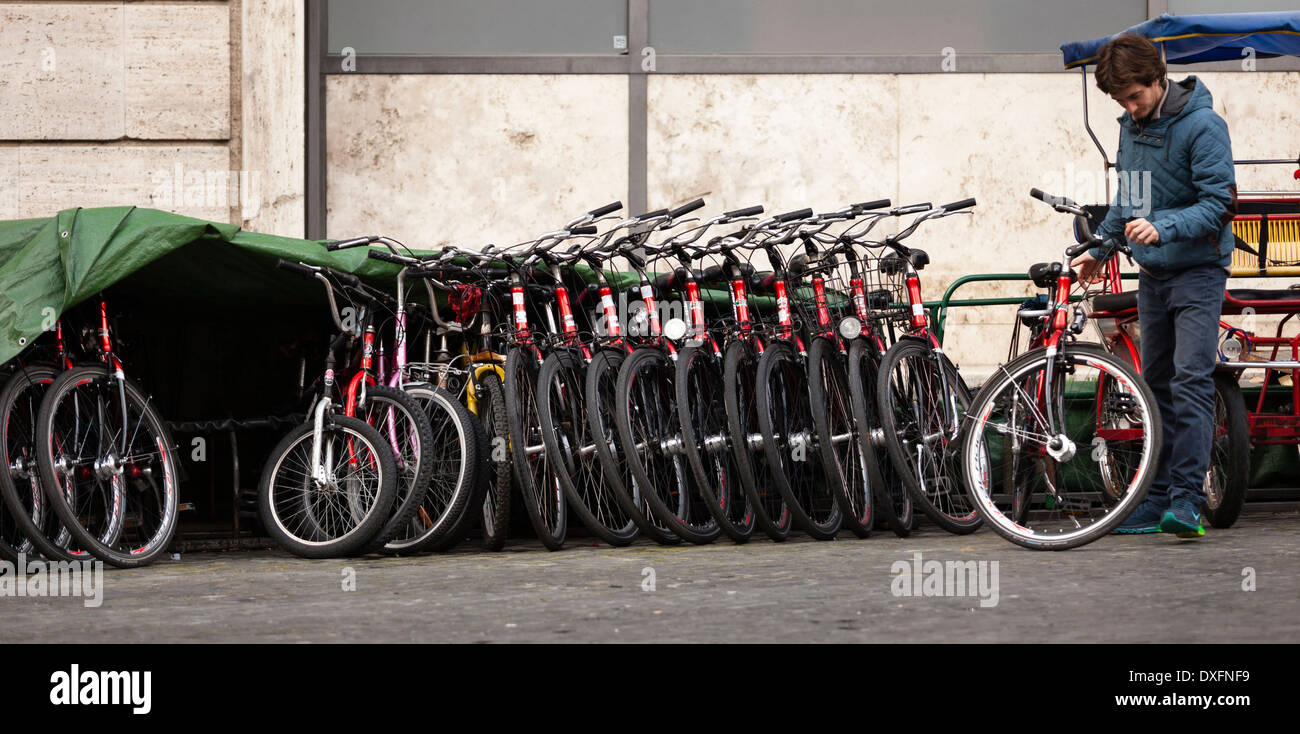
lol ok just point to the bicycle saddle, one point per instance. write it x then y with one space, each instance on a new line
1044 275
1115 302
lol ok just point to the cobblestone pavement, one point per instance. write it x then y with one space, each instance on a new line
1119 589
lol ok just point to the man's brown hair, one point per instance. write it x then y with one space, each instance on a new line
1126 60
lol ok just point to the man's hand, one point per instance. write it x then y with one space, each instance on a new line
1089 268
1142 232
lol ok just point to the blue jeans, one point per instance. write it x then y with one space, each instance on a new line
1179 316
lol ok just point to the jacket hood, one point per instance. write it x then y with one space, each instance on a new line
1183 98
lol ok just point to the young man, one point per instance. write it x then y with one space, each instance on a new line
1180 236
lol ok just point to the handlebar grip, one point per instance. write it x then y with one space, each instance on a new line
602 211
347 278
868 206
652 215
963 204
1039 194
749 211
294 267
387 257
797 214
1074 251
345 244
913 209
585 229
686 208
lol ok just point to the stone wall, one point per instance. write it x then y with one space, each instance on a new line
476 159
154 104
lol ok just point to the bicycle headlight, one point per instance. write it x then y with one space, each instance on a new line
850 328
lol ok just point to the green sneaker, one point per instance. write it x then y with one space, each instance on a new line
1182 519
1145 519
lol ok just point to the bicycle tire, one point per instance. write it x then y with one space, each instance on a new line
892 502
647 421
457 485
912 418
290 515
543 496
739 374
568 437
1112 418
28 524
138 525
491 407
408 425
703 420
1229 473
848 470
786 423
602 397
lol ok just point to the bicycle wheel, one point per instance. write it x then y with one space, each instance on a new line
848 473
921 431
406 428
26 524
540 487
602 399
1087 423
740 395
892 502
568 437
338 513
491 408
703 419
651 439
786 424
108 466
455 484
1225 483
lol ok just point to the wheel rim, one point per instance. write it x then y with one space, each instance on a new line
708 413
115 473
927 436
319 514
791 418
578 459
1072 494
770 500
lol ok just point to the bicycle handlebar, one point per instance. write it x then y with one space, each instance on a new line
607 209
354 242
797 214
749 211
686 208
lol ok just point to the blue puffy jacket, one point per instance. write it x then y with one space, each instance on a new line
1189 157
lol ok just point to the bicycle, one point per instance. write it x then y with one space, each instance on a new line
1067 420
328 486
106 460
456 442
921 395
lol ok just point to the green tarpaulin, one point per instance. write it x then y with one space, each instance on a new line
49 265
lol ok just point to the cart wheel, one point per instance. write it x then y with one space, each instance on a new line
1225 483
